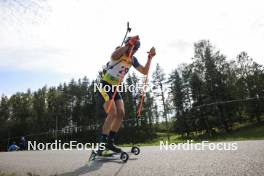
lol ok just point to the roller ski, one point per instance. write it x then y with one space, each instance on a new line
115 154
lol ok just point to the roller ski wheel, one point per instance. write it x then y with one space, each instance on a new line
92 156
124 156
135 150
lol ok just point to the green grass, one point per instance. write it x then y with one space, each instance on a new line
156 141
240 132
250 132
4 174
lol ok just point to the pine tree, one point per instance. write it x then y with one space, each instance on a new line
159 81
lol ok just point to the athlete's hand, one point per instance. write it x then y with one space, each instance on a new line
133 40
152 52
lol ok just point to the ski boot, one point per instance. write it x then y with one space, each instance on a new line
110 146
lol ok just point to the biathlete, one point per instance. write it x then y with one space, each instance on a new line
119 61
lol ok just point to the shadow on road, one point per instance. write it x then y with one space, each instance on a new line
84 169
93 166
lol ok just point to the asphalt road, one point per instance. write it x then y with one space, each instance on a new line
248 159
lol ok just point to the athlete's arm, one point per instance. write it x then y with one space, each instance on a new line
144 70
119 52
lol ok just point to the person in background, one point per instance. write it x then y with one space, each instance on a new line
23 143
13 147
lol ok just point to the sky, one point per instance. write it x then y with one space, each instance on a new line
48 42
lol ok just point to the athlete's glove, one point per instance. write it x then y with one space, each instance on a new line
152 52
133 40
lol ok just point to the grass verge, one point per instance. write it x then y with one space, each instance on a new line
240 132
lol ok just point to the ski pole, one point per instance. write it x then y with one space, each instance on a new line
119 81
127 31
123 71
143 93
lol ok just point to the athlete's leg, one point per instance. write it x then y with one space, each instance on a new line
106 98
111 116
116 123
111 123
120 109
106 129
